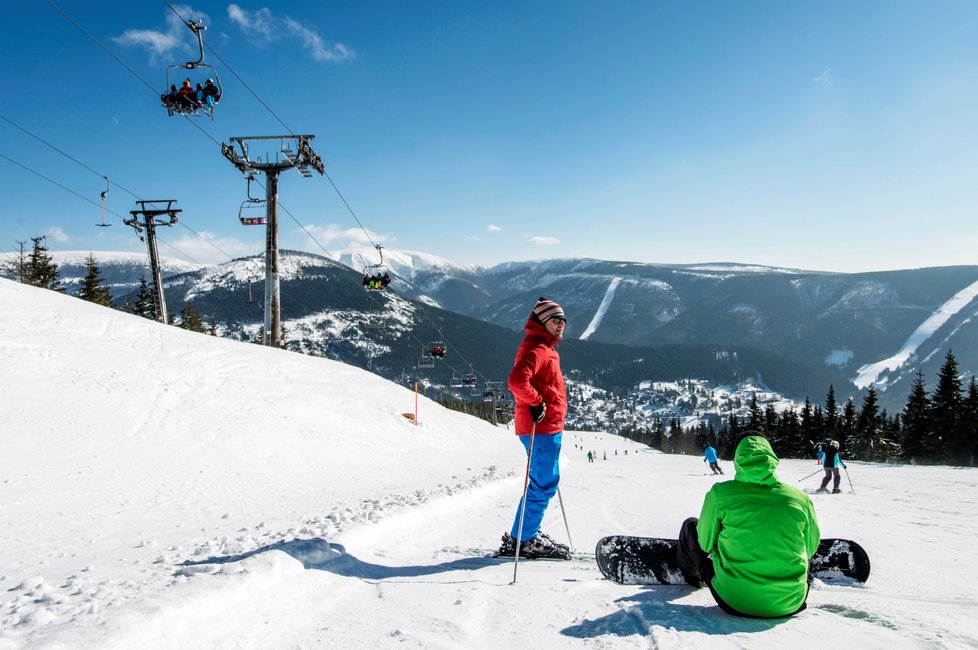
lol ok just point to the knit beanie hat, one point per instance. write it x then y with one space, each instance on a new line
547 309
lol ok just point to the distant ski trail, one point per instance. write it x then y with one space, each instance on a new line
602 309
869 373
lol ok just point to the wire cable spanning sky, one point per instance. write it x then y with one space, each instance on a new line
833 136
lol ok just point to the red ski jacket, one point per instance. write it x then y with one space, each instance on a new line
536 378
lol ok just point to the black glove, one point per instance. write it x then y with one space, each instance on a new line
538 412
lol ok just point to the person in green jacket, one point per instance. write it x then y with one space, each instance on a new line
754 538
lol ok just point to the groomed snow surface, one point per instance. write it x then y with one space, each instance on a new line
165 489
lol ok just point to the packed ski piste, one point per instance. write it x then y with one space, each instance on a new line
166 489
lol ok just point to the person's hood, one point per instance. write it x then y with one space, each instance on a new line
755 461
534 328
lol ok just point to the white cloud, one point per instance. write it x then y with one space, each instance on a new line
176 38
57 234
211 249
261 24
256 23
493 228
824 78
542 241
332 234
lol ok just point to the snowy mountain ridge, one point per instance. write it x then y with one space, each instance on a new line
862 329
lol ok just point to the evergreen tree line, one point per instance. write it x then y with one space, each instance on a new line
936 428
37 268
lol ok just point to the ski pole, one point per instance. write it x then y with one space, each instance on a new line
564 513
809 476
849 479
526 484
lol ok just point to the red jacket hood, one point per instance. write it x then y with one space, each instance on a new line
536 329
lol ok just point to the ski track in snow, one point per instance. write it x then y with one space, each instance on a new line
609 296
869 373
86 594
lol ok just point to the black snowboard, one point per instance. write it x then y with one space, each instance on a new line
652 560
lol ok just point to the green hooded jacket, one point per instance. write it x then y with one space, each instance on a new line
760 534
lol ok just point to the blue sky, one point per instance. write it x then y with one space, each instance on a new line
837 136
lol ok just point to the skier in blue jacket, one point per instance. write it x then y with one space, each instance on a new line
710 456
831 462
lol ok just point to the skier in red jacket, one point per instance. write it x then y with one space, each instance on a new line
541 404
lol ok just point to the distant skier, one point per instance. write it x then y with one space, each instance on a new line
710 456
831 462
590 457
753 539
541 404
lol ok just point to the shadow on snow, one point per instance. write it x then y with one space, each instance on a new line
319 554
654 606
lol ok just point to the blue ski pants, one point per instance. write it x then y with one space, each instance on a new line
544 477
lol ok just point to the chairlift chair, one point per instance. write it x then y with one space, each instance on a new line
376 277
491 392
254 210
426 361
104 194
252 213
176 105
456 381
437 350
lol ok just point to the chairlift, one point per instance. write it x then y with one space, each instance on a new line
205 95
492 391
253 211
456 381
104 194
436 350
426 360
376 277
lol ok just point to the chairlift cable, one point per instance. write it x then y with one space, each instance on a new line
54 182
68 156
97 42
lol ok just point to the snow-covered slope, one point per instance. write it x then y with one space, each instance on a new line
165 489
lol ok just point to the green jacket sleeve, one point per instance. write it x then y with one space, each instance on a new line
708 528
812 532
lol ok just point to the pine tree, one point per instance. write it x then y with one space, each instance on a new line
916 423
755 416
793 442
190 319
16 267
808 424
40 270
831 415
891 436
769 427
946 406
144 300
869 429
970 423
93 287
